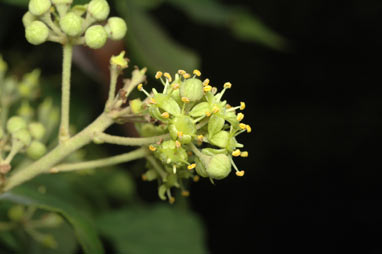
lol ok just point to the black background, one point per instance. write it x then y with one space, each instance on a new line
313 181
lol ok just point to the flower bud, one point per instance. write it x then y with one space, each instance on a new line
120 60
23 136
192 89
116 28
95 37
36 149
28 18
36 33
99 9
25 110
71 24
37 130
220 139
16 123
219 167
39 7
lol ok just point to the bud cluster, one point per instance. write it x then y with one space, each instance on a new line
27 130
202 129
58 21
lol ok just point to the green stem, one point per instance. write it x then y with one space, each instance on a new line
65 99
156 166
59 153
136 154
113 84
124 141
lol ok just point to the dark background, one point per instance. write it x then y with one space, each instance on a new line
312 183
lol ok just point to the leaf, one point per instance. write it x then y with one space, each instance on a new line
243 24
150 44
83 227
157 229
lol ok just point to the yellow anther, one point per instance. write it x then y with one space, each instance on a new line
240 117
242 105
215 110
208 114
200 138
175 86
186 75
196 178
167 76
165 115
207 88
248 128
171 200
197 73
178 144
180 134
244 154
140 87
158 74
152 148
227 85
228 106
240 173
236 153
152 101
144 177
181 72
206 82
243 126
185 193
191 166
185 100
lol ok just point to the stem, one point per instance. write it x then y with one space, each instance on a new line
156 166
16 147
65 99
59 153
113 84
136 154
130 141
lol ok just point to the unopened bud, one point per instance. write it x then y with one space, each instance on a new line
116 28
95 37
99 9
15 123
37 130
36 32
36 149
71 24
28 18
39 7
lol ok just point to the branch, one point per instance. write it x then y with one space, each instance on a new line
136 154
125 141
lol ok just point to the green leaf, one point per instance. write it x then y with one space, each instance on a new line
150 45
157 229
83 227
243 24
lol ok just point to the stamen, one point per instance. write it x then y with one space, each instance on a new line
158 75
215 110
242 105
144 177
165 115
167 76
207 88
152 148
196 178
192 166
244 154
186 75
175 86
185 100
206 82
140 87
236 153
240 173
185 193
240 117
227 85
197 73
228 106
248 128
208 114
178 144
180 134
243 126
200 138
181 72
152 101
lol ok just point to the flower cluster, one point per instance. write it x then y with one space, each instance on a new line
201 127
58 21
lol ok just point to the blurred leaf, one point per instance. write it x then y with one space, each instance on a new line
244 25
84 230
149 43
158 229
147 4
